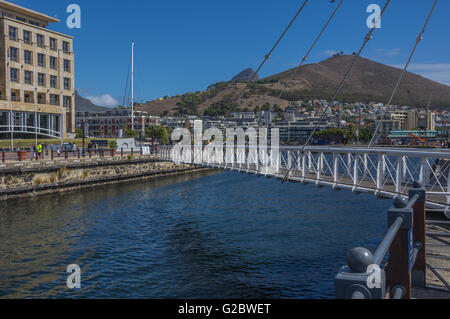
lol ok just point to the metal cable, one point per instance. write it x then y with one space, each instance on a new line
314 44
367 38
125 95
267 57
419 38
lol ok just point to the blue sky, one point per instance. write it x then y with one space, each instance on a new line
184 46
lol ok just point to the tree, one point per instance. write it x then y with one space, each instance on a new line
158 132
79 133
131 133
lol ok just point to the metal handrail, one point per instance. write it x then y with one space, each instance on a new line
385 245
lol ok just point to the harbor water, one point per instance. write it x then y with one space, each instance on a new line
204 235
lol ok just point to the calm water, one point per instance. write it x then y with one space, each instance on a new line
194 236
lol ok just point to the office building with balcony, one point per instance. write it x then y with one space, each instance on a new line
37 89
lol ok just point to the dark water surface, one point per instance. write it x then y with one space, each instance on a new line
195 236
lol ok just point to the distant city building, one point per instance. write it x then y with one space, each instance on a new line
110 124
37 89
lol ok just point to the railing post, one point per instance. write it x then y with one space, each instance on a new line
419 235
400 252
356 173
398 176
335 168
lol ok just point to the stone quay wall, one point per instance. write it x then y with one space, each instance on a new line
36 178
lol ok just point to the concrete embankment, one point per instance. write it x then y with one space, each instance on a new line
32 179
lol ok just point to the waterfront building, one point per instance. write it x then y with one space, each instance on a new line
112 123
37 89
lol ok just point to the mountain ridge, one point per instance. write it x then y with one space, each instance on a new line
369 81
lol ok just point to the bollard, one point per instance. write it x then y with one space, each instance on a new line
3 156
90 153
419 235
352 280
52 155
142 151
132 151
121 152
66 154
79 154
400 252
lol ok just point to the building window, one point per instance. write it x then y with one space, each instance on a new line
53 80
28 57
13 33
26 37
14 73
54 100
53 62
41 79
34 23
40 40
41 60
13 54
20 19
53 44
66 84
28 77
67 100
66 65
66 47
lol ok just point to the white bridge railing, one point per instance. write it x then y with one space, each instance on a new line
385 172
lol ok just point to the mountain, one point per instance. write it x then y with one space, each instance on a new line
369 81
245 76
85 105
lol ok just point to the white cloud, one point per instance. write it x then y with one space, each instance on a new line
329 52
439 72
104 100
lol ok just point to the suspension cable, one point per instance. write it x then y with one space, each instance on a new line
267 57
367 38
313 45
125 95
402 74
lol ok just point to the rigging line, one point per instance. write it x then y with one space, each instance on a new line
313 45
267 57
367 38
126 85
402 74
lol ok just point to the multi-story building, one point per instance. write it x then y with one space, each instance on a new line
37 94
113 123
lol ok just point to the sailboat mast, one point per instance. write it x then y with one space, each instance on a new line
132 85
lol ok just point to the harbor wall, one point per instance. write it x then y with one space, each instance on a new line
38 178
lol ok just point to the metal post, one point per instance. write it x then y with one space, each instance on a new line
399 274
399 270
419 235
